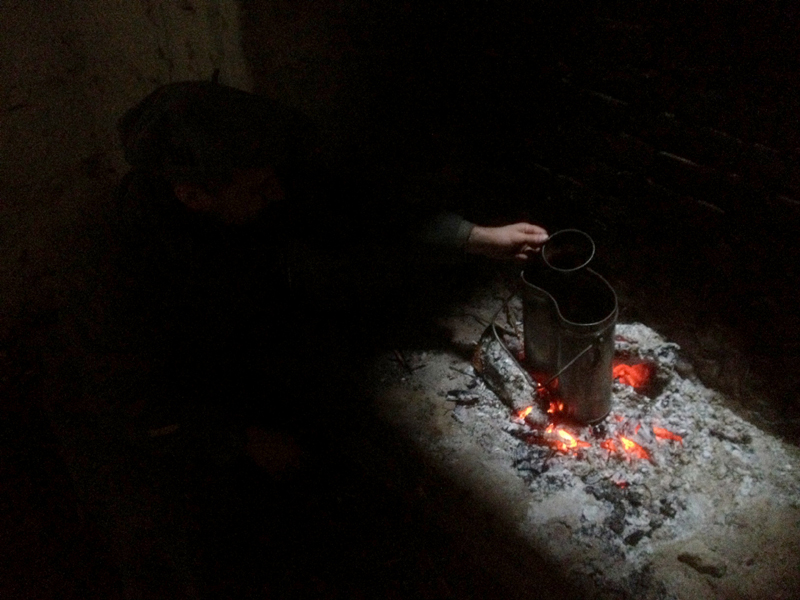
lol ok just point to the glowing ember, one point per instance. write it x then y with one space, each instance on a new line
666 435
524 412
564 441
633 448
544 391
635 376
569 441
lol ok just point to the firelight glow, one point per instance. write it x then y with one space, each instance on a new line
635 376
609 445
525 412
633 448
665 434
570 441
562 440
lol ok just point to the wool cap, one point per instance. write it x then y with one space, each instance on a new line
201 130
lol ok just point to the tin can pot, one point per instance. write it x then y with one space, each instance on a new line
569 320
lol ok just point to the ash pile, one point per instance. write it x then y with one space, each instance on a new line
667 460
701 504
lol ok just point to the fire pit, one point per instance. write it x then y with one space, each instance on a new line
671 495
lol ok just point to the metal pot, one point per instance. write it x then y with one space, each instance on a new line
569 319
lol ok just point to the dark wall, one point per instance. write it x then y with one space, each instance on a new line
671 133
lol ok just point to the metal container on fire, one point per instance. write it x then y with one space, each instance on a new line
569 314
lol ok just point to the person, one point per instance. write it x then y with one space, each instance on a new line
185 343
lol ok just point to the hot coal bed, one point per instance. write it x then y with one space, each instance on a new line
669 495
640 473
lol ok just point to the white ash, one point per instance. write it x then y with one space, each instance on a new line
619 513
641 500
499 369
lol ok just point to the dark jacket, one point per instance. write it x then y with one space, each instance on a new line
181 310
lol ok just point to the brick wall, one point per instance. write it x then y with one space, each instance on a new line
672 134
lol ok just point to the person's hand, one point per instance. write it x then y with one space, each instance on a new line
517 241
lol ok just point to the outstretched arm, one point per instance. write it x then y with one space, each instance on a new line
517 241
451 236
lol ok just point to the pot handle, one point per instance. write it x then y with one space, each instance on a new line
493 325
536 385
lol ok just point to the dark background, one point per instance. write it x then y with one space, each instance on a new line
667 130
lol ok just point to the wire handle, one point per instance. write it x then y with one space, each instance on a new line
525 372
